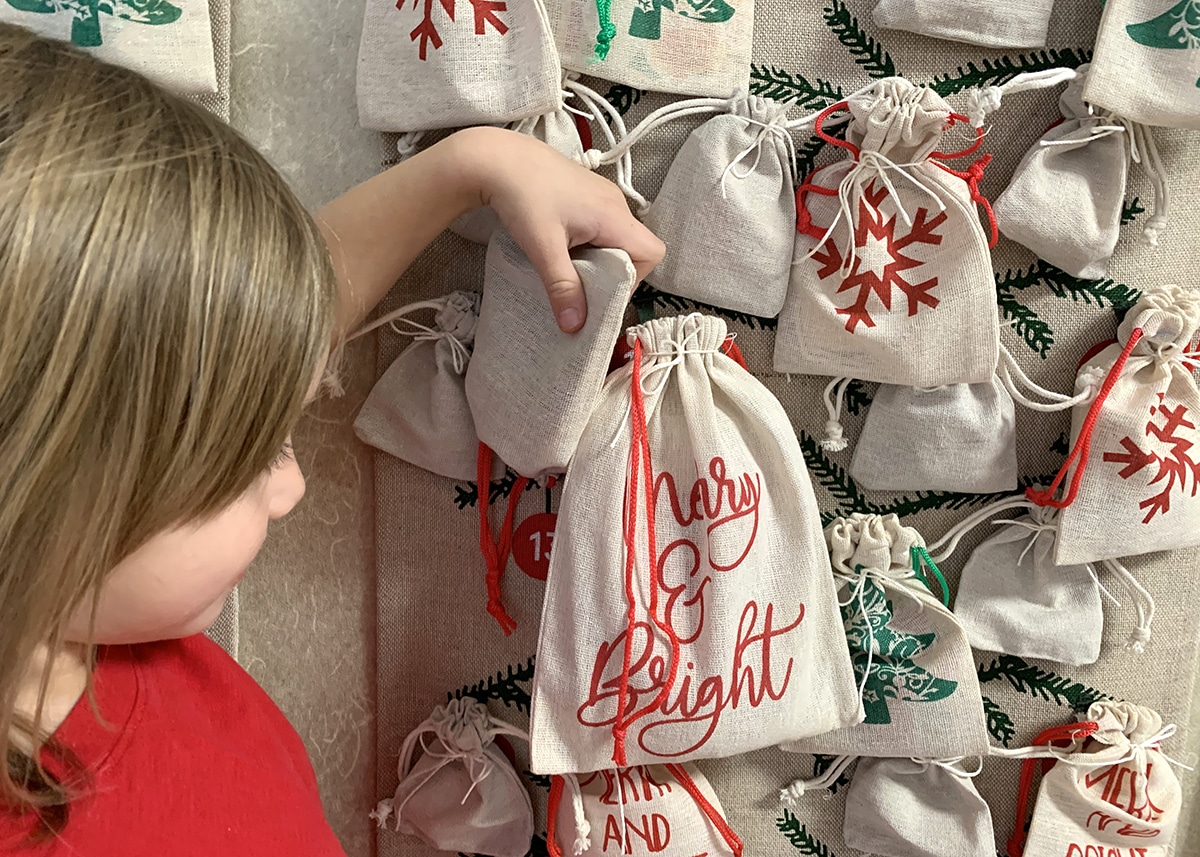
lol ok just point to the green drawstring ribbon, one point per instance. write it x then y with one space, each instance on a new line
608 30
920 557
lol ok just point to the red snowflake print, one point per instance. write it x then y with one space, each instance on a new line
879 260
1173 470
426 32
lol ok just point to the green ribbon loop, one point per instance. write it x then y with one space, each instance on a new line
920 557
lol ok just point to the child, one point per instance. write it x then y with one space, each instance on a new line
166 308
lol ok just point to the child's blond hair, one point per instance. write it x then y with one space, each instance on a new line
164 304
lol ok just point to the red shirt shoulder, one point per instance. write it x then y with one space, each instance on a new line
190 758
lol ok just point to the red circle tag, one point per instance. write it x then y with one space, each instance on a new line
532 543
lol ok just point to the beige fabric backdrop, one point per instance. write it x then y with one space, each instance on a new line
434 637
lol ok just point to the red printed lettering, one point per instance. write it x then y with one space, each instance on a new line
654 830
1127 789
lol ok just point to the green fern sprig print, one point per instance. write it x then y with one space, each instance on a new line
1100 293
771 82
623 97
1003 69
999 725
1130 210
468 494
1032 328
858 397
867 52
833 477
797 834
1044 684
506 686
821 764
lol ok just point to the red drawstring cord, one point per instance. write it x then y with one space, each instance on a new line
803 216
495 553
734 353
972 176
640 461
1083 443
552 806
689 785
1070 732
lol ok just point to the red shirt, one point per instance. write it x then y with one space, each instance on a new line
195 760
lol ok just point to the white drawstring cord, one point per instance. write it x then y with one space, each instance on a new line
834 440
1143 603
1010 372
408 144
460 353
790 794
984 100
948 543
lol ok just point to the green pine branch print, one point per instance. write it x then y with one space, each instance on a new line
1101 293
1044 684
797 834
506 686
85 14
1003 69
1131 210
999 725
833 477
806 156
1033 330
867 52
772 82
858 397
647 295
623 97
821 764
468 494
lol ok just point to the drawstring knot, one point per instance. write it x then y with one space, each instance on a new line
981 102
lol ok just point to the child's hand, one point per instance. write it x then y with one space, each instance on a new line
551 204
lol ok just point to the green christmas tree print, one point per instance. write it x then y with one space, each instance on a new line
646 22
85 14
1178 28
892 671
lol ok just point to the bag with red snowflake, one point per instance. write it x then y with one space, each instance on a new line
418 410
1111 791
687 47
1131 478
730 188
1146 64
458 789
1066 197
916 677
961 437
1010 24
917 808
689 610
639 811
430 64
532 387
892 276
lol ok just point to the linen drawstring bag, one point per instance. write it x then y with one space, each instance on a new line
1130 482
918 808
992 23
1014 597
428 64
892 275
1111 791
1146 66
532 387
915 673
561 130
418 410
686 47
961 437
458 790
1065 199
689 609
727 211
640 811
169 41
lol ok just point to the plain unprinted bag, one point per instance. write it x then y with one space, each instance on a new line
532 387
727 211
892 275
913 667
962 437
739 575
1132 478
452 63
991 23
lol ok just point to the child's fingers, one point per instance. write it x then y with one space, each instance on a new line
548 253
622 231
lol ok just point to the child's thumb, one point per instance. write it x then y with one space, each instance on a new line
553 263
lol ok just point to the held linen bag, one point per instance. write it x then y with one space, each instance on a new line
725 614
991 23
917 808
1115 794
418 410
1134 464
1065 199
1146 64
962 437
727 211
169 41
532 387
642 811
687 47
892 276
430 64
914 669
1012 598
461 793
